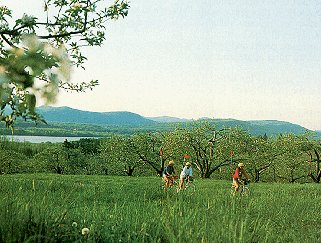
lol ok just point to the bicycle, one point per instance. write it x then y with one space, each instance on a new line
173 183
243 190
188 186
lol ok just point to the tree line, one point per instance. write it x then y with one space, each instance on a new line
213 153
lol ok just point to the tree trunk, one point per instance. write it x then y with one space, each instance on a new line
208 172
317 160
257 175
162 166
130 170
319 176
316 178
59 170
158 171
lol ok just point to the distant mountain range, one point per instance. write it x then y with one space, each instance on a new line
167 119
124 118
69 115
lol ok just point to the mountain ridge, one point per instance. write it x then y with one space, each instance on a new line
66 114
71 115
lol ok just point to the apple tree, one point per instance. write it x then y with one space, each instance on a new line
208 148
292 165
116 152
38 51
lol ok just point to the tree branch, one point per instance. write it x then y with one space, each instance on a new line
223 163
7 41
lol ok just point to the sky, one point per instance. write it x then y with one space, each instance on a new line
245 59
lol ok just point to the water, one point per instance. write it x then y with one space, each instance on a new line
42 139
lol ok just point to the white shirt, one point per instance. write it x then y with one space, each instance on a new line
186 171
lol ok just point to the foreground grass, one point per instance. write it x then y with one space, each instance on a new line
52 208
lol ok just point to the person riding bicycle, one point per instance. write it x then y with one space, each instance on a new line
168 174
237 176
186 174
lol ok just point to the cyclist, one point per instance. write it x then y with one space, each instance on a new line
186 174
168 174
237 176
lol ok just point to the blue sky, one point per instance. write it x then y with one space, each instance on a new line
248 60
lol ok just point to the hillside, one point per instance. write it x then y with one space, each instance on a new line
276 127
72 122
70 115
167 119
257 127
260 127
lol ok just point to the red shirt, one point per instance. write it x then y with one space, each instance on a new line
237 173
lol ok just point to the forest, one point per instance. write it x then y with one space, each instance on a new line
214 153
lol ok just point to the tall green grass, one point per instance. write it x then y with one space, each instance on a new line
52 208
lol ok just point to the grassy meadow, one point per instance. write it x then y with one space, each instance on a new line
55 208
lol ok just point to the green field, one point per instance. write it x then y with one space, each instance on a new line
52 208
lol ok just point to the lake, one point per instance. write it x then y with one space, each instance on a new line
41 139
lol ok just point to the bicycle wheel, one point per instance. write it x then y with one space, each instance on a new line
245 191
232 191
164 186
190 187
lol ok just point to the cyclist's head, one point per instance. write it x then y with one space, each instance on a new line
188 164
171 163
241 165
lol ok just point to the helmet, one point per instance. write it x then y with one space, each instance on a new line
171 162
188 164
240 165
